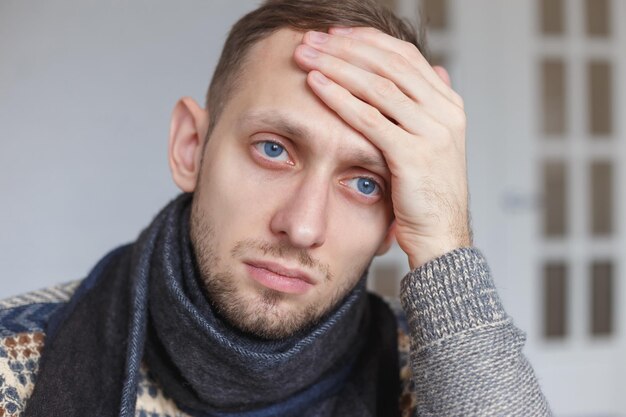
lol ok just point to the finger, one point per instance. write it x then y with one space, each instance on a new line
387 64
367 120
397 146
375 90
408 50
385 41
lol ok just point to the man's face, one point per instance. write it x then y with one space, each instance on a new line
291 204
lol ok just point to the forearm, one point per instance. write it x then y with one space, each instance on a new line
466 354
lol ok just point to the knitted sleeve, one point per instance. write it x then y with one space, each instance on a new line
466 354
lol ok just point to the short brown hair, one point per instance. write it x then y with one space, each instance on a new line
301 15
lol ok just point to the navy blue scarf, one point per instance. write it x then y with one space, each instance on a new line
143 300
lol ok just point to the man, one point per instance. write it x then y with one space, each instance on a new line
326 135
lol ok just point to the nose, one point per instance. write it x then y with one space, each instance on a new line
303 215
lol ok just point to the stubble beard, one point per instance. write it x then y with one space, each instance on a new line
259 314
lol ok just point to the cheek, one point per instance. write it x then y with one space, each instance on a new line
237 197
356 232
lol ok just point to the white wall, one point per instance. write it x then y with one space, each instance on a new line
86 91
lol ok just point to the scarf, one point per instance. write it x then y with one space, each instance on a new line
144 303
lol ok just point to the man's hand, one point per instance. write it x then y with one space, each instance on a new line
384 88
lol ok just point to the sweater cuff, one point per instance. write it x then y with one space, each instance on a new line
449 295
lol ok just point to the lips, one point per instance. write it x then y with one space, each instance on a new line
278 277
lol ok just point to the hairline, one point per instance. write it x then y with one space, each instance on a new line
233 79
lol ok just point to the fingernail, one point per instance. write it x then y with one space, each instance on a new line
342 31
309 52
318 37
320 78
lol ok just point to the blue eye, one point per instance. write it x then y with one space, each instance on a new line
364 185
272 150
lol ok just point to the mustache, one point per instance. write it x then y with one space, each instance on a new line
284 251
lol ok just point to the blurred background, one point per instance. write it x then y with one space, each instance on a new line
86 91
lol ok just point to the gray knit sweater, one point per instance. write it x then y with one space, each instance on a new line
466 354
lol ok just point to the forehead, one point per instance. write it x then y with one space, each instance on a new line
272 83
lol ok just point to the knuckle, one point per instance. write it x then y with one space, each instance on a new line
410 50
404 104
370 117
458 100
347 44
397 63
412 54
383 87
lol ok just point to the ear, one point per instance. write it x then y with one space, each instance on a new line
188 130
389 238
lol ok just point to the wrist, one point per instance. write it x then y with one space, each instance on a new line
425 252
416 261
469 300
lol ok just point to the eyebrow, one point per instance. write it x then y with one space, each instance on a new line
293 129
365 159
276 121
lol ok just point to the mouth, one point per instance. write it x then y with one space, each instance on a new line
278 277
